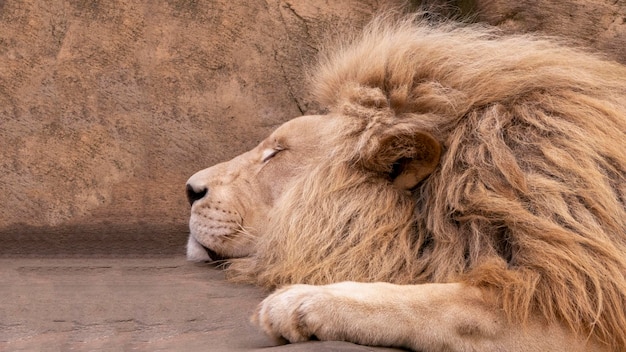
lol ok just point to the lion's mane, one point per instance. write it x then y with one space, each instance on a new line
528 199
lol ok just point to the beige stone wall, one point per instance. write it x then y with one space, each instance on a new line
597 24
107 107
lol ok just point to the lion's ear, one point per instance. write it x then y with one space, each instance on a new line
406 156
417 162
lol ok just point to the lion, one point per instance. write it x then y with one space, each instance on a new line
463 191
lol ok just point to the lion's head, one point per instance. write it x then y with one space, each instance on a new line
448 154
233 202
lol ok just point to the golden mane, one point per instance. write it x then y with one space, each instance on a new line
529 196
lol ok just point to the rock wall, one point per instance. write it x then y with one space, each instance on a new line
597 24
107 107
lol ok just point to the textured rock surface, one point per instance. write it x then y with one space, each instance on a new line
107 107
597 24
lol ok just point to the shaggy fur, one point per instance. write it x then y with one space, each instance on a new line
528 199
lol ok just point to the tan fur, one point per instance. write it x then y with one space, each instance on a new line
528 200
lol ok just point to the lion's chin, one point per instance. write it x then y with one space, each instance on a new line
196 252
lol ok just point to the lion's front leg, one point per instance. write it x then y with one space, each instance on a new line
346 311
429 317
377 314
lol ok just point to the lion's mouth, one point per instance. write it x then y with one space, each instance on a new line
214 255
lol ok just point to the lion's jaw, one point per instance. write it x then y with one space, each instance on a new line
231 201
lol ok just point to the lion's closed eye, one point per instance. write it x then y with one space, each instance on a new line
270 153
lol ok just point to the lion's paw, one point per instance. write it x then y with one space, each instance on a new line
297 313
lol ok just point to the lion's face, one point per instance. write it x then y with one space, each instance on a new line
231 201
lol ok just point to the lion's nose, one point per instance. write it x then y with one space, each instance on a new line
193 194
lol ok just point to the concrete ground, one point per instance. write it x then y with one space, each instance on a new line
73 301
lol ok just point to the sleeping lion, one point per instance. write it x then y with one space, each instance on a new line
465 191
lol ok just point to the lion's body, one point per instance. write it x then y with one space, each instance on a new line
528 201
